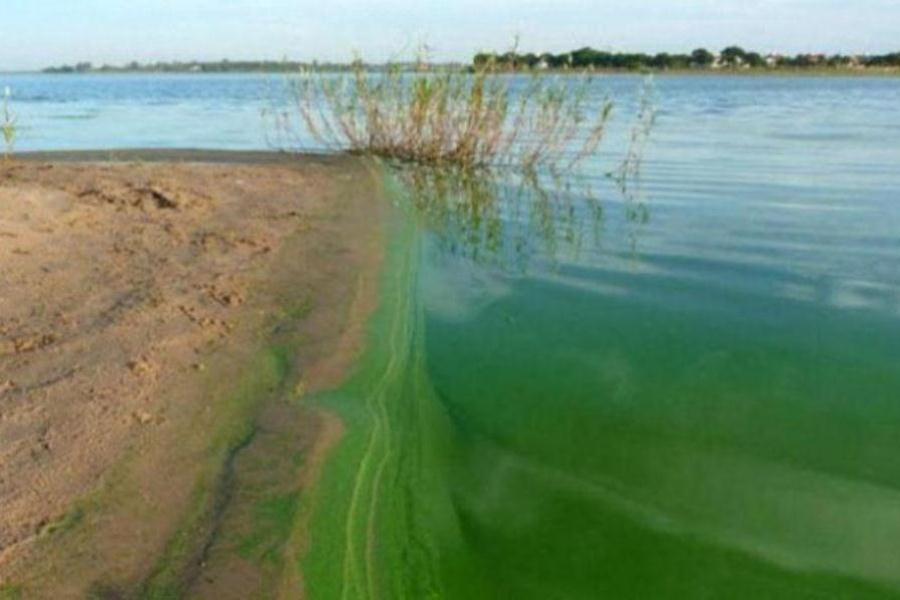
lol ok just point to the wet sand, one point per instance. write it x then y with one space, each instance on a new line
162 316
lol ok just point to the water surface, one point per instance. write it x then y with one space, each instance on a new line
693 394
685 389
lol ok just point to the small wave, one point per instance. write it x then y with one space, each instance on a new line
81 117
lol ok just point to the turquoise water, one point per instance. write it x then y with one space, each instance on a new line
136 111
689 388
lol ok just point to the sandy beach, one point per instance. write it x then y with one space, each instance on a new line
162 317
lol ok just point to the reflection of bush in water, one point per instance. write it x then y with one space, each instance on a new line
508 215
508 218
501 218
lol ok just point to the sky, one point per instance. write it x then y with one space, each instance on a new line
39 33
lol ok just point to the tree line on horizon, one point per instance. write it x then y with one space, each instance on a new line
238 66
733 57
221 66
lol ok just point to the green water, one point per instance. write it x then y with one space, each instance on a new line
720 462
689 389
557 445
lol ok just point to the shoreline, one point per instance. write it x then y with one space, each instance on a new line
180 155
237 284
738 73
873 72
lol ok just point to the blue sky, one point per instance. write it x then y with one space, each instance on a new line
37 33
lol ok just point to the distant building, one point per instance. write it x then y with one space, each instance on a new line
812 59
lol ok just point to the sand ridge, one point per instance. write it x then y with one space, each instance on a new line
129 291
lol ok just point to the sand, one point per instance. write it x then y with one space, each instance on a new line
141 295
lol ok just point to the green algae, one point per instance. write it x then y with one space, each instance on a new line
66 523
11 592
380 511
556 441
273 520
269 372
263 378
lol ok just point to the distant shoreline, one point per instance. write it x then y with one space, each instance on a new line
744 72
732 60
749 73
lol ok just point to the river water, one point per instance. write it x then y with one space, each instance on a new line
686 385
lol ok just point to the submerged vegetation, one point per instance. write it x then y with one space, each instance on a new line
468 149
449 118
506 217
502 220
505 220
630 168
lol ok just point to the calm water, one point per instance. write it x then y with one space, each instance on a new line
687 389
703 401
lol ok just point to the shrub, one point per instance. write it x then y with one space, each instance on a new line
470 118
8 124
